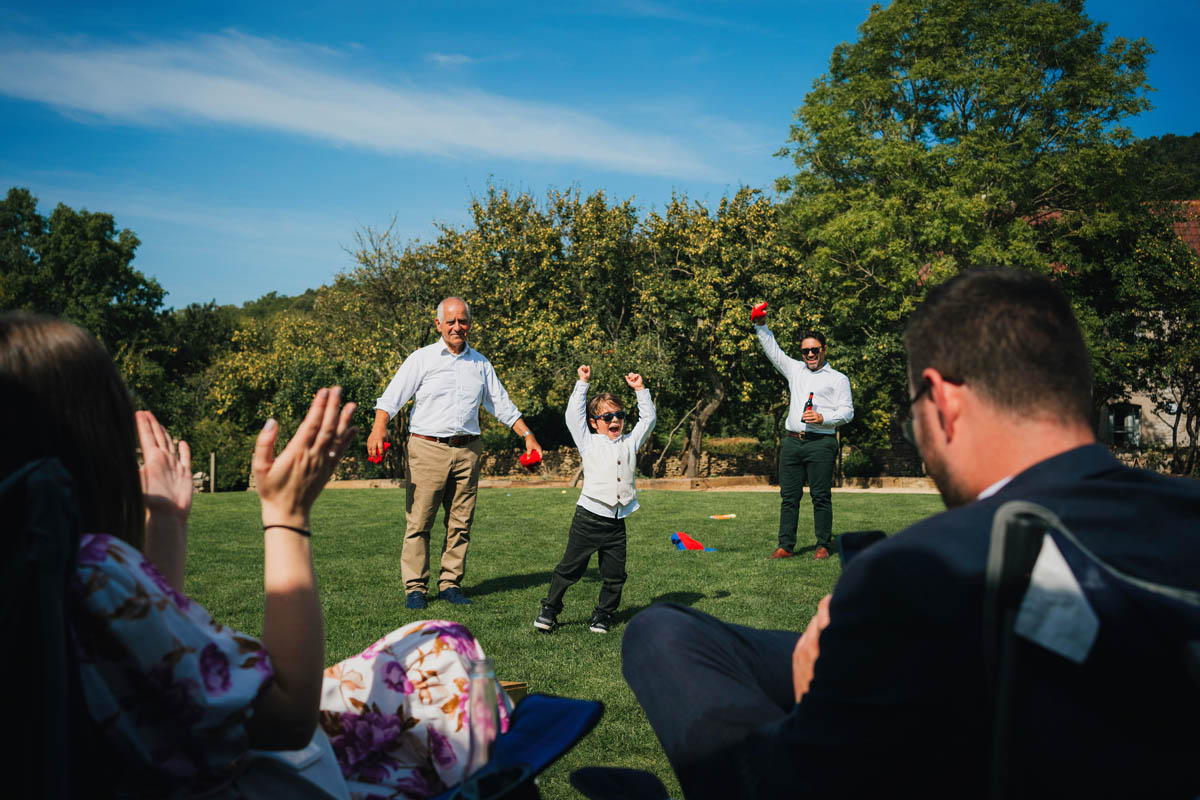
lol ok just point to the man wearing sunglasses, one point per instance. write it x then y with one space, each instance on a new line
887 692
448 382
820 402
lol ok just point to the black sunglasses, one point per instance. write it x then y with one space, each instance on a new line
811 350
610 416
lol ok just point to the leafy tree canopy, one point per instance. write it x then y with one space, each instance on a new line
75 265
958 133
1170 166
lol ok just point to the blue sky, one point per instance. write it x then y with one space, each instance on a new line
246 143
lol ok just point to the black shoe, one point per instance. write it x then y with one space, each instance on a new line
416 601
600 622
546 619
453 594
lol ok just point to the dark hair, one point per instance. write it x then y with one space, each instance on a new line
1010 335
61 397
604 397
820 337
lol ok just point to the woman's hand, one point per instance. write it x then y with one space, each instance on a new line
288 484
166 470
293 629
166 477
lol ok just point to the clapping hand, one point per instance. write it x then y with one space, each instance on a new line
166 478
289 483
166 473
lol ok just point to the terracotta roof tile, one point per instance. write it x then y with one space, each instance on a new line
1188 228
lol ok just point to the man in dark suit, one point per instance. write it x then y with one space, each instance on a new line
898 701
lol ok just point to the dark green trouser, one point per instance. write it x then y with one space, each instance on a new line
806 461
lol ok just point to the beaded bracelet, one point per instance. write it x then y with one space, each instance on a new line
300 531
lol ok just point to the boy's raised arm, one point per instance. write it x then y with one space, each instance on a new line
576 414
647 415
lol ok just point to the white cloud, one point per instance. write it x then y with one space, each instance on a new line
449 59
241 80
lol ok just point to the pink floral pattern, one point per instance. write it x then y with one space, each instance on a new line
396 713
172 688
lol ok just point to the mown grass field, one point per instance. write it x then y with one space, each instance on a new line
517 538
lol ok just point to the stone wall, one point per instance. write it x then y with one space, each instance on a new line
563 463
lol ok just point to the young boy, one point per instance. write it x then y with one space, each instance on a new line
609 496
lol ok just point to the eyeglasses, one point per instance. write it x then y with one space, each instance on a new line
610 416
813 351
909 435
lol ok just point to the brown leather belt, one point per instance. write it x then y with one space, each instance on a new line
453 441
808 436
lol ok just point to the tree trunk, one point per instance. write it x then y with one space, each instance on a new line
696 437
654 472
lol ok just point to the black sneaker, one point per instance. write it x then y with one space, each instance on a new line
546 619
600 622
416 600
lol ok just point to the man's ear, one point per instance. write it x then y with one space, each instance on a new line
947 398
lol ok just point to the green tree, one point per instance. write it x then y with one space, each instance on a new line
551 286
703 272
75 265
957 133
1170 166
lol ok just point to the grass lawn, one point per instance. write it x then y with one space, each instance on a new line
517 538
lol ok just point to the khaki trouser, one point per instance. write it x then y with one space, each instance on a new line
438 474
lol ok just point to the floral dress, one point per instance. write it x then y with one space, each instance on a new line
171 689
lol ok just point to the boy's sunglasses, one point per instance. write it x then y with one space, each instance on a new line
610 416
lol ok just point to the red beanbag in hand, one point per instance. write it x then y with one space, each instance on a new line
375 459
758 313
531 459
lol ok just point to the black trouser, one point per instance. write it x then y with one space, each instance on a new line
706 686
591 533
800 461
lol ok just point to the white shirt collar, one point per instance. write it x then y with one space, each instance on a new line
995 487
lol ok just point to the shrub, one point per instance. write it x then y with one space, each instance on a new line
859 464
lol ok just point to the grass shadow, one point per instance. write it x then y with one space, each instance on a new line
509 583
682 598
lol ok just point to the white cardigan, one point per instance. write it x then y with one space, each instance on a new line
609 486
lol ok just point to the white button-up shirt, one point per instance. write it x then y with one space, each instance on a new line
448 391
830 389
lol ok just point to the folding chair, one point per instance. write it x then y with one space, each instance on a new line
542 728
1094 673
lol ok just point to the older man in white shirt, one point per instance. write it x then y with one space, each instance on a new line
820 402
448 382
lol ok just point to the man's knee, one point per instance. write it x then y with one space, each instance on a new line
654 638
